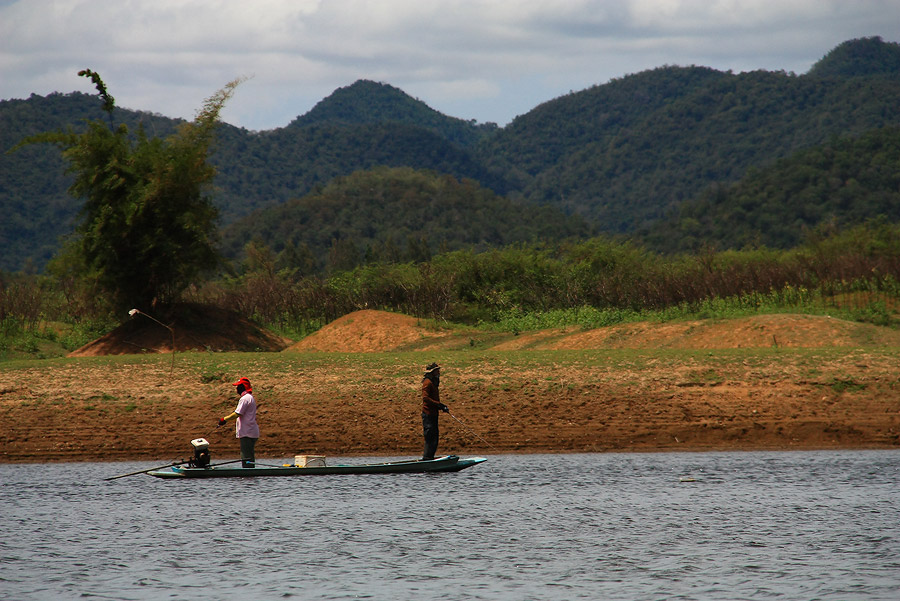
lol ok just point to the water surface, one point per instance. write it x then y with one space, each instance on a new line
805 525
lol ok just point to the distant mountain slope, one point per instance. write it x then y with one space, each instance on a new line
623 155
842 183
396 214
627 152
860 58
256 170
367 103
267 169
356 128
548 135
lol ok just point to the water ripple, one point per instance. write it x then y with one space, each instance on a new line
741 526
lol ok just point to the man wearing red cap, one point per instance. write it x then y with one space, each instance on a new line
246 429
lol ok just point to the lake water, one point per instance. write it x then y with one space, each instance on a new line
805 525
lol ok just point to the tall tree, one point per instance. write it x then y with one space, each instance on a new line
148 226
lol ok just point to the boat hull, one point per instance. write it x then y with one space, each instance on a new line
449 463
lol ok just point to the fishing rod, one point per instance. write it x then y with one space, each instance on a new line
153 469
469 430
147 470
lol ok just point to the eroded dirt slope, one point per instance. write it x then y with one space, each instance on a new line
594 395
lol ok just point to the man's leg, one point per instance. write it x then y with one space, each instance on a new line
430 431
248 452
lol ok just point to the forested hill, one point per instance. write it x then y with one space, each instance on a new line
263 170
256 169
840 184
623 154
371 103
626 152
392 215
860 58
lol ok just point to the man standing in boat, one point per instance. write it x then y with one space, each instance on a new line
431 409
246 429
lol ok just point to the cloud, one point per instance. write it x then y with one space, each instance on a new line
484 60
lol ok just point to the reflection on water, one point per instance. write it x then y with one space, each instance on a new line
806 525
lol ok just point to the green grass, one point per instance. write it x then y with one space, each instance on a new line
50 340
870 309
840 385
46 339
486 372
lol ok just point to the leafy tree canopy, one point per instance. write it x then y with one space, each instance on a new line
147 225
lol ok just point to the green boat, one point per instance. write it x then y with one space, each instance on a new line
448 463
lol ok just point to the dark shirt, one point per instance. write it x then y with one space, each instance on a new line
431 398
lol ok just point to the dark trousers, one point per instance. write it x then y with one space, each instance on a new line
430 430
248 453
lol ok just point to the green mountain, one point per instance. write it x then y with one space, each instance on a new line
859 58
370 103
842 183
256 169
394 214
356 128
627 152
267 169
622 155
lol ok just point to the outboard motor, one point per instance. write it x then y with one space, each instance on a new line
201 453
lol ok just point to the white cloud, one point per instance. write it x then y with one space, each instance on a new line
487 60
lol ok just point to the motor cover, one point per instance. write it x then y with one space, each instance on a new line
201 453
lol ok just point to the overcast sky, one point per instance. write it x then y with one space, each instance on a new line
488 60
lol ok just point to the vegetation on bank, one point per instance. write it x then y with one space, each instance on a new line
598 282
853 275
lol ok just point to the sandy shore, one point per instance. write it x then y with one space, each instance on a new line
600 401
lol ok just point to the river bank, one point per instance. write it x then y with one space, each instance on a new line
149 407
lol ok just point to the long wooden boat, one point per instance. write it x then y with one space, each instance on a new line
448 463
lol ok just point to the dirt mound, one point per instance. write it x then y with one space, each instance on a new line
379 331
782 330
194 327
368 331
202 328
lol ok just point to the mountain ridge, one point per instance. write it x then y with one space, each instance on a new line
623 155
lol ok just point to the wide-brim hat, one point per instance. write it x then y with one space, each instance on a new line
432 367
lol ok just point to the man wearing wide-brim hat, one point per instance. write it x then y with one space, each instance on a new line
431 409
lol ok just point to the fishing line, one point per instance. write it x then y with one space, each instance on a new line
469 430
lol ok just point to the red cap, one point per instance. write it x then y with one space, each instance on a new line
245 382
